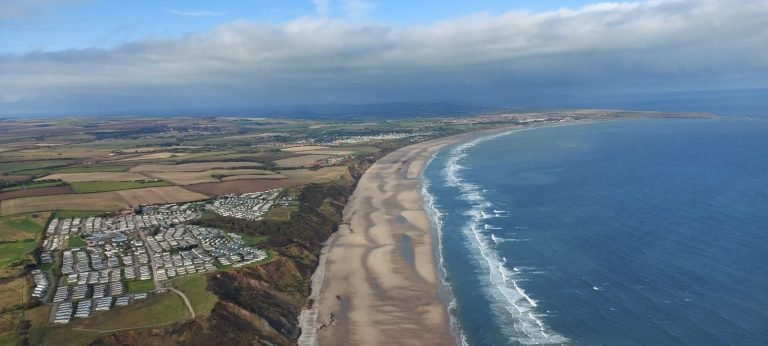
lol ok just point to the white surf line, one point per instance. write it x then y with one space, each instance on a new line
519 304
437 224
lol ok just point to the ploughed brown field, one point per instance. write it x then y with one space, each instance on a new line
43 191
105 201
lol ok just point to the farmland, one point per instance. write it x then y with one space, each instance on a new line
193 167
103 186
239 186
78 167
153 156
94 176
101 201
18 235
68 214
300 161
16 166
33 185
188 178
43 191
22 227
305 148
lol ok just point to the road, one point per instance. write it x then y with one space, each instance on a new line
186 301
158 284
152 264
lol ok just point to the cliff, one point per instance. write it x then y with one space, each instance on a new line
260 305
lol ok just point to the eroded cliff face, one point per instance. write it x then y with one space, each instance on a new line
260 305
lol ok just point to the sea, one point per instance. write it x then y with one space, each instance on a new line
627 232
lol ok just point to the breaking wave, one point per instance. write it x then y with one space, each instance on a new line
513 306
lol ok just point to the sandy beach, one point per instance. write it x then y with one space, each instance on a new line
378 283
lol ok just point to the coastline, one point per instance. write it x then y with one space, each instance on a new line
380 280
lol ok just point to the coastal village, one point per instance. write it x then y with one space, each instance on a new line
99 263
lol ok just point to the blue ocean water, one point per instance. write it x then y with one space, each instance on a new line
647 232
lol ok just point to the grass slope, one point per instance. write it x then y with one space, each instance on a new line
22 227
15 251
140 286
195 287
157 310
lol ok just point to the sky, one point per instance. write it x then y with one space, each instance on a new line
120 57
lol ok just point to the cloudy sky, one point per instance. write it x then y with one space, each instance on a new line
107 57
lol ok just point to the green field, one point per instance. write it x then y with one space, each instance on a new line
18 166
76 241
200 156
22 227
77 169
61 336
194 287
15 251
142 286
104 186
252 240
29 223
68 214
221 157
281 213
155 311
33 185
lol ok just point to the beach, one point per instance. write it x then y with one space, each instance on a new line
378 283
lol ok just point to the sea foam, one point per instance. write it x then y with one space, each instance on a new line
514 307
436 218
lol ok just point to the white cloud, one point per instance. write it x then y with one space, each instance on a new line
647 45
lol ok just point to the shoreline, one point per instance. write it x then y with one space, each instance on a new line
367 289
